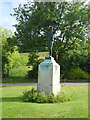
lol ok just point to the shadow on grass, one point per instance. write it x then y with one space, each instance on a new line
19 80
12 99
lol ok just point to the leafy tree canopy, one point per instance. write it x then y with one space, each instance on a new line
7 51
35 20
68 19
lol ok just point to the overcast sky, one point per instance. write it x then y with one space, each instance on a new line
6 7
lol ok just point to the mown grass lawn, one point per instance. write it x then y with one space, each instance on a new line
19 75
14 107
42 55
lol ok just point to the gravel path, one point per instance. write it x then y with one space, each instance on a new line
30 84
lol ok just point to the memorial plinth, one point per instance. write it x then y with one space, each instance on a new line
49 76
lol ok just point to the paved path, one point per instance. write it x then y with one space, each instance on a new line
30 84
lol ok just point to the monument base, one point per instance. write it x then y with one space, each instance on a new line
49 88
49 76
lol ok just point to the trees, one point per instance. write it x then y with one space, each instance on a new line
35 19
7 51
78 57
70 19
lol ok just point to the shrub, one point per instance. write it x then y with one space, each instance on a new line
33 58
6 51
34 72
30 95
62 97
77 73
17 60
52 98
7 64
40 97
34 61
20 72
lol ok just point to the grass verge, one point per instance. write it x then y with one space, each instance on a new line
14 107
19 75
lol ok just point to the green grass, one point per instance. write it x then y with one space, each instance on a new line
13 107
19 72
19 80
19 75
42 55
24 54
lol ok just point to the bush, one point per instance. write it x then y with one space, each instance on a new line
7 60
12 60
30 95
7 51
34 72
52 98
34 61
62 97
40 97
33 58
77 73
17 60
20 72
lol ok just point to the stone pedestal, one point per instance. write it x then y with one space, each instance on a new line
49 76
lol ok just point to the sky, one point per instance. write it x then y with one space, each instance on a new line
6 7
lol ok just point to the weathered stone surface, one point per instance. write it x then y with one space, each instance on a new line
49 76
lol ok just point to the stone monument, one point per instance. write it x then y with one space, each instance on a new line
49 72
